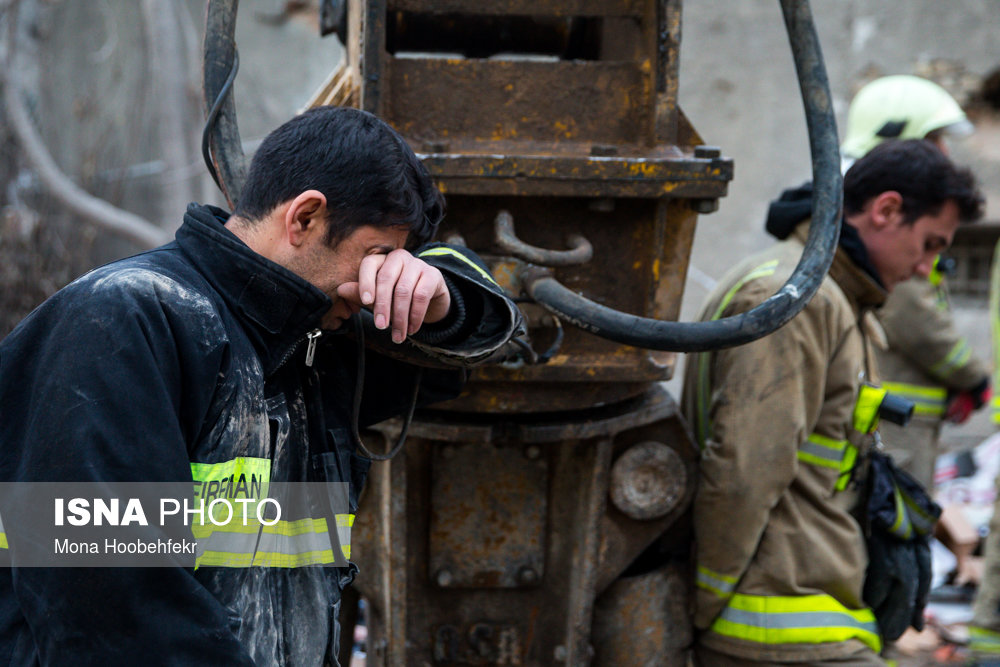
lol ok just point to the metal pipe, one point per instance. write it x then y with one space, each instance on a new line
580 251
793 296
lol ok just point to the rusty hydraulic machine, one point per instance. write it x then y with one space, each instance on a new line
540 518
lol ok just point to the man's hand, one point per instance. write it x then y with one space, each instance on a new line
401 290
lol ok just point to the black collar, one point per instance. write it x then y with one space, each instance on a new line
276 307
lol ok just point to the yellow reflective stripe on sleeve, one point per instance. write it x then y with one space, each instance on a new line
957 357
3 536
995 408
807 619
701 394
441 252
866 408
986 641
927 401
717 583
822 451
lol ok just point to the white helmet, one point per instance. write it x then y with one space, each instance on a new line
899 107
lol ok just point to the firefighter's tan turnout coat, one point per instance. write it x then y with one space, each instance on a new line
927 357
780 558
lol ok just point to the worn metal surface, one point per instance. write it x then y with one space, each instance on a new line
643 621
647 481
488 511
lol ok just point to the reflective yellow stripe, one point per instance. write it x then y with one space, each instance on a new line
807 619
901 528
956 357
846 467
935 277
981 639
3 541
927 401
285 544
701 395
241 477
441 252
866 408
922 522
822 451
717 583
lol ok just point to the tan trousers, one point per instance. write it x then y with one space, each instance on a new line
704 657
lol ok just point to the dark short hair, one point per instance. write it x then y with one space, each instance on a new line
367 172
923 175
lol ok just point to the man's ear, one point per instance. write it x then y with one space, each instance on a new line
304 216
887 209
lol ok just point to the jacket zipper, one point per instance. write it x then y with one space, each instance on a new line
312 337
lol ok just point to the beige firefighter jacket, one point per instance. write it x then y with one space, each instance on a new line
927 356
780 559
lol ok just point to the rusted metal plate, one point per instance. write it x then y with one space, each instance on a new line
523 7
488 100
488 514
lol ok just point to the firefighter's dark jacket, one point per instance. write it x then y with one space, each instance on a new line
193 353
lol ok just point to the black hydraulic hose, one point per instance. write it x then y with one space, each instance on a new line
221 132
787 302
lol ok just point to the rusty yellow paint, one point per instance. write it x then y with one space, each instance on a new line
559 360
636 265
642 168
656 270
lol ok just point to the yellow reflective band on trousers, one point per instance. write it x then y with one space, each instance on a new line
927 401
442 252
715 582
957 357
806 619
701 394
866 408
983 640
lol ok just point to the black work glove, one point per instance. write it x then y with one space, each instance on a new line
891 583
